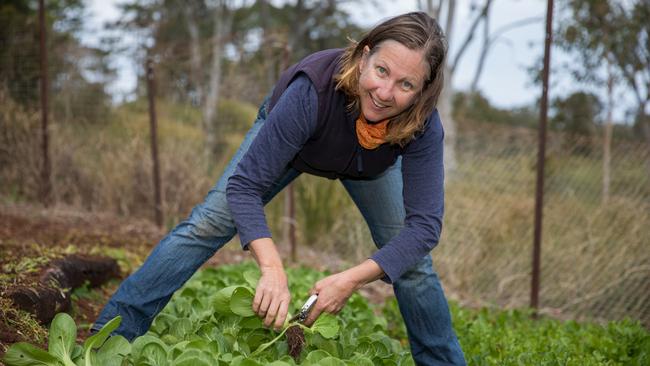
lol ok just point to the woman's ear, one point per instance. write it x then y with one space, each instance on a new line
364 57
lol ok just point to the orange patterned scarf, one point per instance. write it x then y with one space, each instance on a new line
371 135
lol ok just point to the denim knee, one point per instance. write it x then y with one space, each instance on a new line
209 220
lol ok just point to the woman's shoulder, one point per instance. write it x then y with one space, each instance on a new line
433 124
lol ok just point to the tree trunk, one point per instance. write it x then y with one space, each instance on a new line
195 53
221 26
449 124
444 101
269 64
484 51
607 140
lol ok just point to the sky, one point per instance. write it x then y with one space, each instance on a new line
505 80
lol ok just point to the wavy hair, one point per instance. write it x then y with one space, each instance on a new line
417 31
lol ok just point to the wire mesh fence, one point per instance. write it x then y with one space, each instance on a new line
595 257
594 249
595 262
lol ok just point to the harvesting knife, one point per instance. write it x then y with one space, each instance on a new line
304 311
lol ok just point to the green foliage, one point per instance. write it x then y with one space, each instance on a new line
231 333
97 350
514 338
190 332
475 107
610 32
576 114
71 92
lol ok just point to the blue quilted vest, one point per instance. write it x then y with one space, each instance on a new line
333 151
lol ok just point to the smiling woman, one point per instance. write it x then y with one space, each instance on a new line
390 79
364 115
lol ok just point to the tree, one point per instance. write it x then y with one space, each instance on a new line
196 44
480 15
575 115
614 35
77 72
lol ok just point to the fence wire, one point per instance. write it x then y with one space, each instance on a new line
595 257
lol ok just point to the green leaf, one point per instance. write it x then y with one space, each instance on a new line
241 361
194 357
183 307
360 360
25 354
241 302
63 334
151 349
221 300
162 323
112 352
181 328
177 349
326 325
77 353
251 277
381 350
316 356
251 323
96 340
268 344
331 361
199 344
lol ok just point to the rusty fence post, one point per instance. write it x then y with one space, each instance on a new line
46 168
151 93
541 154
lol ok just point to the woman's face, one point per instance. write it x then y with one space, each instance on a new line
390 79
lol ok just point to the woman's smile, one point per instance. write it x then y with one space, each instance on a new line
391 77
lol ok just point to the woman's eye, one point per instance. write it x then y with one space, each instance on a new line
381 70
407 85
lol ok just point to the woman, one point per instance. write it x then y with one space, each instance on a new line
366 116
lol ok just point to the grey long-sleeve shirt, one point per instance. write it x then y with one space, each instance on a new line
290 124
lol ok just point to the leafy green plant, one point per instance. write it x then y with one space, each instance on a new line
98 350
210 322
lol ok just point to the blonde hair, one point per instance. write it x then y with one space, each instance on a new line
416 31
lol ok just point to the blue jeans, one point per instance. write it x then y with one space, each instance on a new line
175 259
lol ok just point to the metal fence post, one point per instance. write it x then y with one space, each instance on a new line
541 154
46 168
151 92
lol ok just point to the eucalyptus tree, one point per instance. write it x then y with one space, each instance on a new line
208 49
611 40
445 12
78 73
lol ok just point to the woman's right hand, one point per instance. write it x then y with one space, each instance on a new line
272 297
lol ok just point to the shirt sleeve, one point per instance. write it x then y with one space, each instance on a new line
290 124
423 176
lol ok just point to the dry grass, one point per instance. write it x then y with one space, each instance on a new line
595 260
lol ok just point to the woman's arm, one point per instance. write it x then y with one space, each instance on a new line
291 122
289 125
423 176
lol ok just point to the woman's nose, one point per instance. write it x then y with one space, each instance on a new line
385 91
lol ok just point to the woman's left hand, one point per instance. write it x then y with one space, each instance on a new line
333 292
